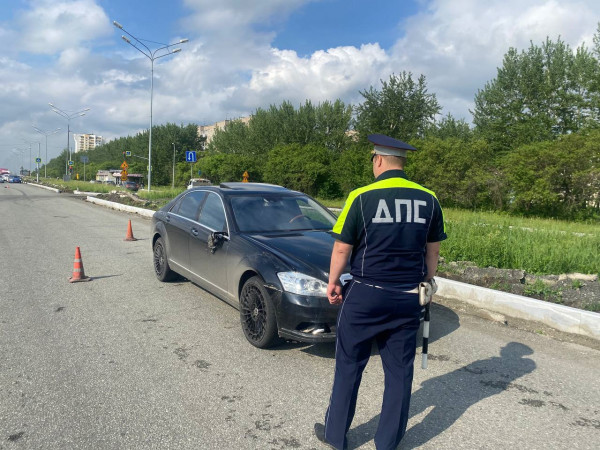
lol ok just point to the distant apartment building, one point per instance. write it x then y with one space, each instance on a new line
208 131
84 142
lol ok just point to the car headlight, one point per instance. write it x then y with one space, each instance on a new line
301 284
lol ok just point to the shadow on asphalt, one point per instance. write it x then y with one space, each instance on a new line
449 396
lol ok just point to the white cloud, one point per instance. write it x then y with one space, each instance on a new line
325 75
230 67
52 26
459 44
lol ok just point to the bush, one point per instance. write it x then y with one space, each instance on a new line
302 168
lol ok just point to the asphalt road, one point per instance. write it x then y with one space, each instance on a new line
127 362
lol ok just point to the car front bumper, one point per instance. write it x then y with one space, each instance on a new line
303 318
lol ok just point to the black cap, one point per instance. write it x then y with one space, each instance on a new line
385 145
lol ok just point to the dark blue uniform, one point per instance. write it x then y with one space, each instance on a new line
388 223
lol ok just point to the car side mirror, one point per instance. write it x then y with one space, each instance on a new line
215 240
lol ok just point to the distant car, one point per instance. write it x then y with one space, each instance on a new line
14 179
262 248
195 182
131 185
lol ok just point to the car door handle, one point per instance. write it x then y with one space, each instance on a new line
194 231
168 219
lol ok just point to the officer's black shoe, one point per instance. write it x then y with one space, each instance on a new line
320 434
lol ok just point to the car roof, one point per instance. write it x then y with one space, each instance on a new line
234 188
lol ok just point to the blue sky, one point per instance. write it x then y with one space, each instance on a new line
334 23
243 55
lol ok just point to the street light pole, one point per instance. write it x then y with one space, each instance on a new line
173 182
22 152
45 133
68 116
151 55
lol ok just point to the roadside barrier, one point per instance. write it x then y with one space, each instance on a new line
78 272
129 236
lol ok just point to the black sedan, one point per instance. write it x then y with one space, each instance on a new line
262 248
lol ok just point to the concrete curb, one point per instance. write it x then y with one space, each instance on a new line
560 317
120 207
58 191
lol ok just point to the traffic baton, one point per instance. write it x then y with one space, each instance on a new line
425 336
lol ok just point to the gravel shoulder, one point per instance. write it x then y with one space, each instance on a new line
576 290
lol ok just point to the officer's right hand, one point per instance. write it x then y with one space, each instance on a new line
334 293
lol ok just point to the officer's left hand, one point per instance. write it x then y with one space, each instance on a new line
334 293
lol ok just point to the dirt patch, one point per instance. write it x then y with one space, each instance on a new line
576 290
128 198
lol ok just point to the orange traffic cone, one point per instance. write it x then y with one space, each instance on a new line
129 236
78 272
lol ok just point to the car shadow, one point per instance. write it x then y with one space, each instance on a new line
443 322
448 396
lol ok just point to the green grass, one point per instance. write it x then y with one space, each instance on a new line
160 193
538 246
80 185
541 289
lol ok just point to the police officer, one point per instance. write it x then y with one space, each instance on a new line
391 230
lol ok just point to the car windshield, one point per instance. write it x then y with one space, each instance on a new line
273 212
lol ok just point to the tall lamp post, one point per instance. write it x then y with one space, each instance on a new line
46 133
30 159
68 116
151 55
22 152
173 182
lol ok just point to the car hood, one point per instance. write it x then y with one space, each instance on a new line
304 251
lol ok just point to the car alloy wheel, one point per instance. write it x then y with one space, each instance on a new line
161 265
257 314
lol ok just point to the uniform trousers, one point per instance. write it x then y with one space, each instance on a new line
390 315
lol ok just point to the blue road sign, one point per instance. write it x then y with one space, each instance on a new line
190 156
127 153
38 160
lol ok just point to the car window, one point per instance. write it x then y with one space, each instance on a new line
279 213
212 215
190 204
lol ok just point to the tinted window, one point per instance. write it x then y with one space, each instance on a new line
188 207
274 212
213 215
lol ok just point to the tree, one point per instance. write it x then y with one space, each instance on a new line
538 95
325 124
303 168
224 167
459 172
449 127
558 178
402 109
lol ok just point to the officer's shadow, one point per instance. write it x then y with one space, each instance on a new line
450 395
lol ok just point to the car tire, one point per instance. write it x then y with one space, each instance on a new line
161 264
257 314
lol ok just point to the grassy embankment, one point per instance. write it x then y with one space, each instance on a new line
538 246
